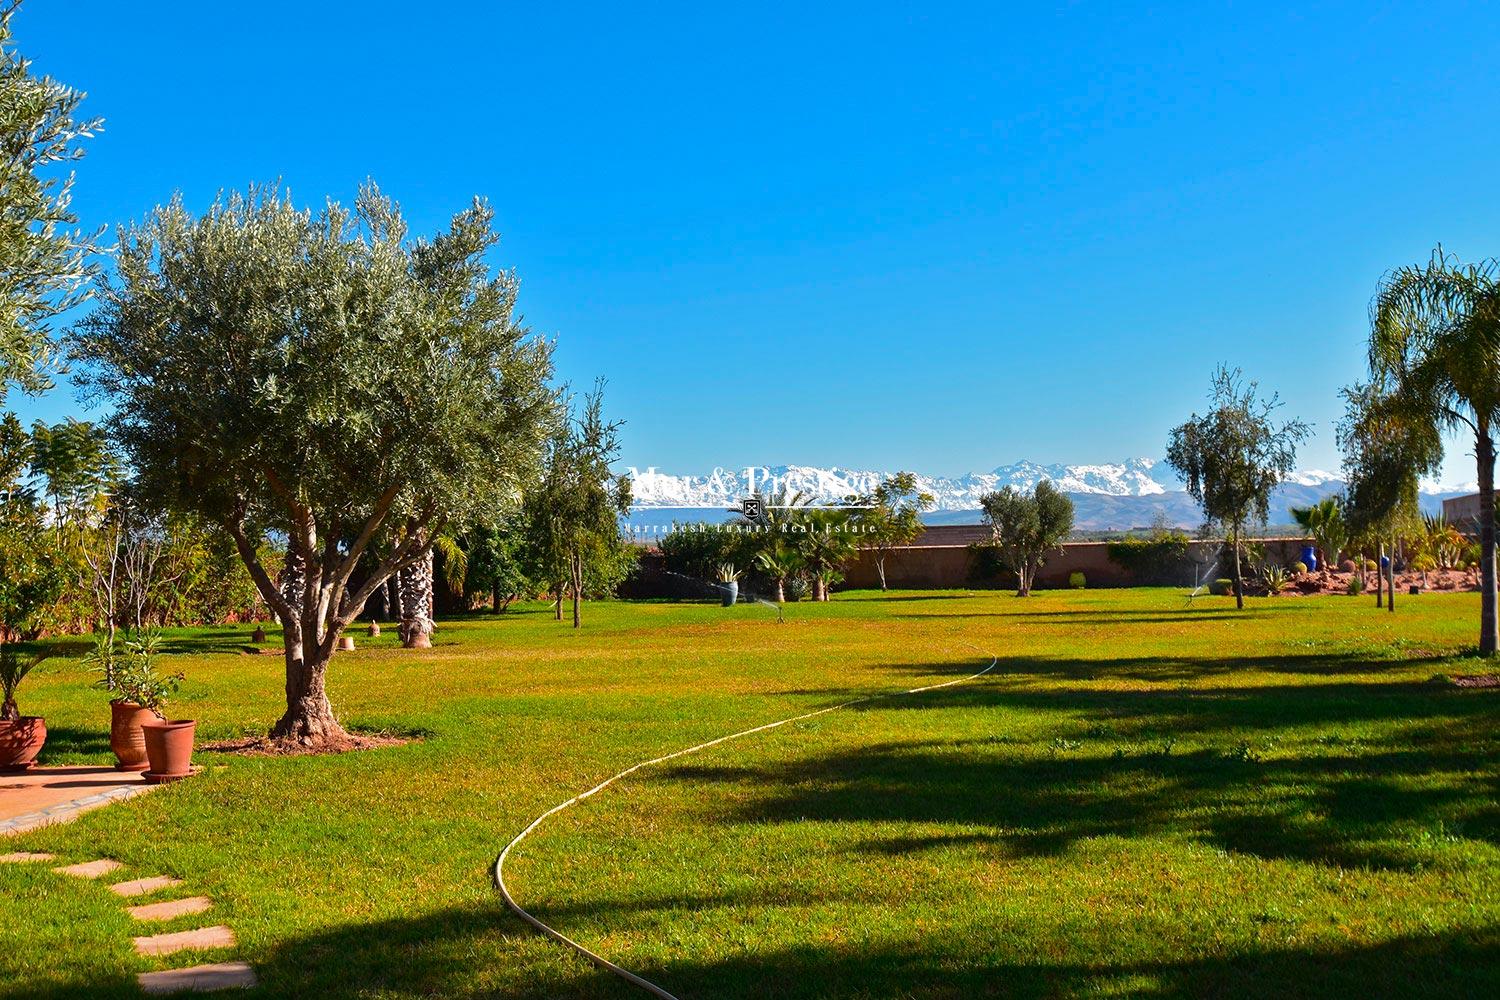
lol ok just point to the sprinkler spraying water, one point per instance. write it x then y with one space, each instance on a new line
710 588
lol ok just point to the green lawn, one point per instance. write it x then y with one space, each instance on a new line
1144 799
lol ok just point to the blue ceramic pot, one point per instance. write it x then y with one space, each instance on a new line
1310 558
731 592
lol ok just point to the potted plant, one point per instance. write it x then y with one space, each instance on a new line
169 743
125 716
21 736
729 584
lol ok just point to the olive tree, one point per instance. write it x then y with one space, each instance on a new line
1233 456
43 256
1026 526
322 378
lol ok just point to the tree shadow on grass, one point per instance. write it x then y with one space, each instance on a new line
1394 809
485 952
1399 969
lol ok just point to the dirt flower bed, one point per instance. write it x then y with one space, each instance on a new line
266 746
1323 582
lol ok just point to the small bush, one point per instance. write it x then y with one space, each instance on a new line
1076 580
1371 566
1348 566
1223 588
1299 567
1356 586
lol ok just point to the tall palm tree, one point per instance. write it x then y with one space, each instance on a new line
1435 348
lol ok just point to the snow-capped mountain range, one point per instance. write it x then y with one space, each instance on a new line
1110 495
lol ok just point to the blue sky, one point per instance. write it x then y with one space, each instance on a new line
932 237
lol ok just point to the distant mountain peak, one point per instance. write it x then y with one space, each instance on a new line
724 486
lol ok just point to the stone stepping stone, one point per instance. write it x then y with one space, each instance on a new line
171 908
26 856
217 936
199 978
90 869
141 886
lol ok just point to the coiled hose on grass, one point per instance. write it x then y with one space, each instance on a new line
497 871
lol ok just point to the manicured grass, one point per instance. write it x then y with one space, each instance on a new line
1146 798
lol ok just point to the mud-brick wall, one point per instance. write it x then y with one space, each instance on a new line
921 567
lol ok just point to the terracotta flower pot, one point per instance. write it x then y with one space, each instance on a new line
20 742
259 635
374 629
126 737
169 748
346 643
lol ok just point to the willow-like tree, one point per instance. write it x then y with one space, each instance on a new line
1385 455
323 378
1233 456
1435 356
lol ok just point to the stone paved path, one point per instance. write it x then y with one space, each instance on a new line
46 795
198 978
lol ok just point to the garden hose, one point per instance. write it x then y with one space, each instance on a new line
497 871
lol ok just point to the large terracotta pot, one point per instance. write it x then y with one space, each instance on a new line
169 748
126 738
20 742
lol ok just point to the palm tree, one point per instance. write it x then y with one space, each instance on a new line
1435 348
777 554
1324 520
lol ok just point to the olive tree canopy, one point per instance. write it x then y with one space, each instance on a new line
42 256
321 377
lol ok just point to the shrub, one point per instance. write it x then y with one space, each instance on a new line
1356 586
1076 580
1160 559
1300 568
1222 587
1371 566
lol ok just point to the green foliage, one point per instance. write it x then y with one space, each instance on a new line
138 680
697 550
893 516
1158 560
1356 585
573 513
1299 568
1077 580
1025 527
324 378
497 564
1325 521
43 260
1274 577
1221 587
728 574
1234 456
1435 368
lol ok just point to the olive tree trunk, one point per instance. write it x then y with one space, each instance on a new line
1239 580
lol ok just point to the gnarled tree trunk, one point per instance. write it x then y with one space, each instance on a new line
309 718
